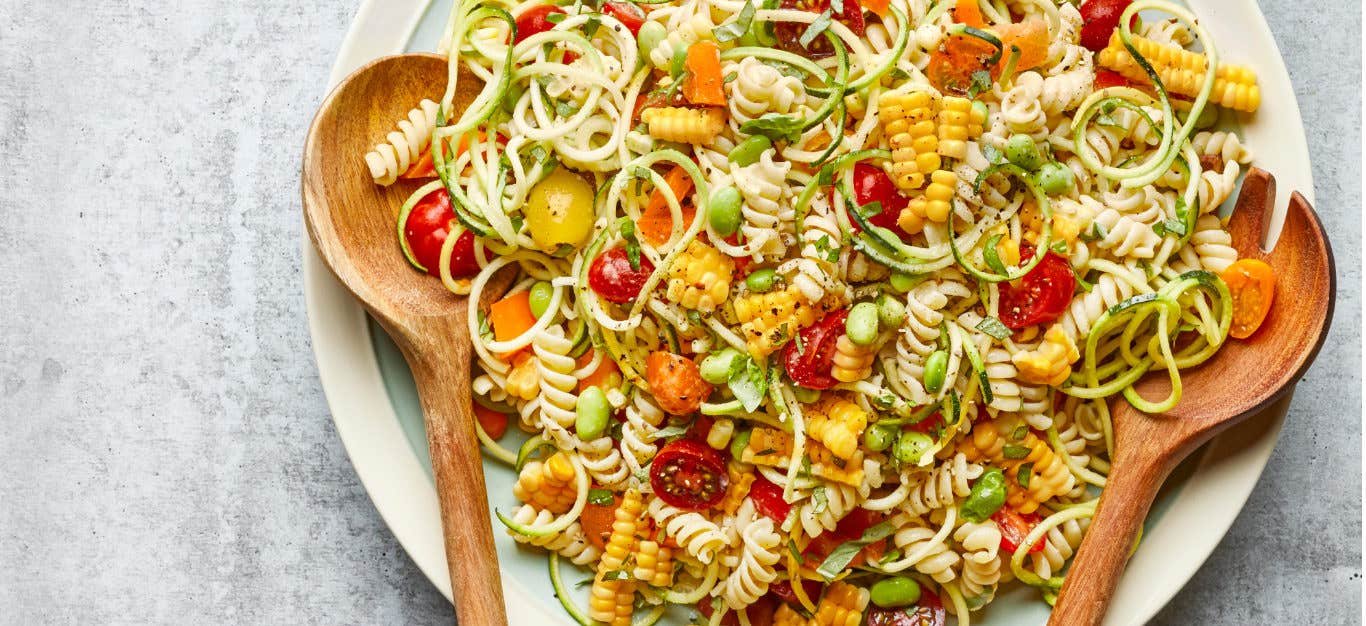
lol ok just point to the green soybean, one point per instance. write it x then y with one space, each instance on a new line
878 439
804 395
724 210
895 592
716 368
539 298
680 58
910 445
890 311
980 109
760 281
1020 150
593 411
902 282
861 325
738 442
651 35
748 151
1054 178
935 368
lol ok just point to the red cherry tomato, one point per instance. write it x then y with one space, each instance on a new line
768 499
782 589
495 424
630 15
789 34
613 278
689 475
871 184
927 425
533 21
1101 17
929 611
1014 527
953 65
428 226
810 366
1110 78
1040 296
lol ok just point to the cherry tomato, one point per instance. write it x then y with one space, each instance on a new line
1110 78
1040 296
689 475
1252 283
849 528
768 499
1015 527
953 65
597 520
676 382
495 424
929 611
927 425
789 34
810 366
782 590
534 21
630 15
613 278
871 184
1101 17
428 226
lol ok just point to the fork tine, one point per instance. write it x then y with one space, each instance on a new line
1252 212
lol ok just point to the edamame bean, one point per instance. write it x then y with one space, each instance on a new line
890 311
680 58
539 298
910 445
716 368
902 282
861 325
749 150
1054 178
738 442
593 411
1020 150
935 368
651 35
895 592
878 439
980 109
760 281
804 395
724 210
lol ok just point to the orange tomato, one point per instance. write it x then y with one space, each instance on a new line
676 382
1031 37
704 82
511 317
495 424
597 519
951 66
605 377
656 223
878 7
1252 283
967 12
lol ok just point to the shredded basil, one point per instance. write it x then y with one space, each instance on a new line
994 327
736 28
992 256
815 29
774 126
749 384
988 496
1015 452
1025 473
600 497
628 232
844 553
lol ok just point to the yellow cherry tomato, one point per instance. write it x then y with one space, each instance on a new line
559 210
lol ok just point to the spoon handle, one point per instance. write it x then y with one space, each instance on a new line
443 383
1091 580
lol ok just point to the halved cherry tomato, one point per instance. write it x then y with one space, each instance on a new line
1101 18
613 278
1110 78
1015 527
789 34
1031 37
968 13
810 366
1252 283
631 16
952 66
878 7
871 184
768 499
428 226
687 474
495 424
676 382
849 528
597 520
704 82
782 590
760 613
535 20
929 611
741 263
1040 296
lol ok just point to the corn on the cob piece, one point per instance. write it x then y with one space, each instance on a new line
524 379
908 122
824 464
955 124
768 320
842 605
852 362
700 277
1050 363
767 446
773 448
718 436
741 479
654 564
933 206
1183 72
622 541
788 616
684 125
837 424
547 485
611 600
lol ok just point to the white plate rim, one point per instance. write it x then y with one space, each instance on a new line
398 485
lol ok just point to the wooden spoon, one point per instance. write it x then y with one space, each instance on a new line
351 221
1245 377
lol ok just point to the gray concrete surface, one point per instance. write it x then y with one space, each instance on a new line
166 455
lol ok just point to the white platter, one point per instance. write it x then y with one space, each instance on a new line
373 409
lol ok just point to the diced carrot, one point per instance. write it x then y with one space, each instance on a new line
968 13
1252 283
424 168
511 317
1031 37
704 82
495 424
605 377
656 222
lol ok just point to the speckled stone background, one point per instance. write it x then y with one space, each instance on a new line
166 455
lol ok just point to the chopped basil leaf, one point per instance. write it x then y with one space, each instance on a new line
994 327
981 81
988 496
628 232
792 549
736 28
600 497
844 553
1019 433
1025 473
992 257
774 126
1015 452
814 30
749 385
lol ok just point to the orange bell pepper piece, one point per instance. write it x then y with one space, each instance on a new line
656 222
1252 283
1031 37
878 7
511 317
968 13
704 82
